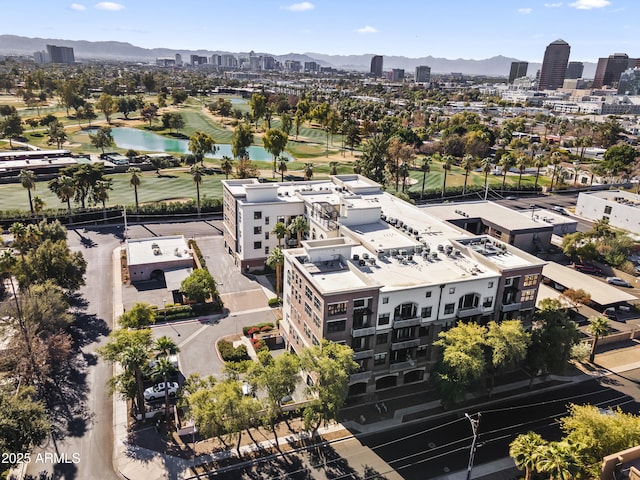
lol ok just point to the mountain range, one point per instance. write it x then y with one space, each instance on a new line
85 50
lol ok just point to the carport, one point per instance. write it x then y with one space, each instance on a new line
601 293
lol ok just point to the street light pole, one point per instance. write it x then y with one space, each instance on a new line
474 428
164 308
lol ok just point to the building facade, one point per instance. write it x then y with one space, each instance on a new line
554 65
376 273
609 69
518 70
629 83
423 74
60 54
376 66
574 70
622 209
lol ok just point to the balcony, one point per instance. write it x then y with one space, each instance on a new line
510 307
362 354
358 332
470 312
409 322
396 367
360 377
405 344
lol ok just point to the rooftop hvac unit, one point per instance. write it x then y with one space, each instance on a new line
393 252
362 262
381 253
365 256
372 261
356 256
417 249
434 255
440 248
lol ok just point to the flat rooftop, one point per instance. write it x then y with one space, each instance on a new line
623 198
152 250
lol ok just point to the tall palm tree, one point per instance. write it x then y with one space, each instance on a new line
162 370
134 359
558 460
135 181
598 327
426 168
539 161
404 173
333 168
524 451
275 261
298 227
487 166
556 160
575 171
447 160
507 161
101 194
197 172
308 171
282 168
522 167
28 181
280 231
226 165
38 206
65 188
165 346
468 162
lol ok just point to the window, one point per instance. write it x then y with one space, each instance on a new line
488 301
530 280
337 308
266 250
402 333
266 235
359 303
452 290
316 319
449 308
470 300
527 295
426 312
511 281
257 230
307 332
336 326
423 332
405 311
383 319
266 220
316 302
307 308
380 358
257 245
382 338
607 210
307 292
490 284
314 340
257 215
428 294
422 351
385 299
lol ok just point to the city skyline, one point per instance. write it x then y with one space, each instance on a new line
466 29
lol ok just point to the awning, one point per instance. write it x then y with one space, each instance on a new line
601 292
174 277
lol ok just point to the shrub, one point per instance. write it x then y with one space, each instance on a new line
253 330
258 345
266 328
229 353
274 302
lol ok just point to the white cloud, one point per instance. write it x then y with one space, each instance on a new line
553 5
589 4
114 7
299 7
366 29
525 11
78 6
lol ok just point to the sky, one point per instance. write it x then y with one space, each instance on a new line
470 29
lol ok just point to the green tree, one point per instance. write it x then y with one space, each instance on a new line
308 171
508 342
374 158
85 177
149 112
468 164
287 122
28 181
107 105
507 162
298 227
141 315
102 138
199 286
135 181
56 133
539 161
524 450
241 140
165 346
599 326
447 161
426 168
276 261
280 231
328 367
200 144
163 369
226 165
65 188
333 168
282 168
522 164
559 460
101 194
197 174
487 166
11 127
258 105
275 141
126 105
38 206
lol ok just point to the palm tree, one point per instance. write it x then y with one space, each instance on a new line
426 168
524 451
576 171
165 346
197 172
598 327
163 369
101 194
559 460
133 359
135 181
539 161
226 165
280 231
487 166
446 167
298 227
468 162
65 188
507 162
556 159
275 261
282 168
522 166
308 171
28 181
38 206
404 173
333 168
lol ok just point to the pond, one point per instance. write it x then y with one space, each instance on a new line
132 138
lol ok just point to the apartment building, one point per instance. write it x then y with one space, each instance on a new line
377 273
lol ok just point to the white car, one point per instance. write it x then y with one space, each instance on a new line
157 391
618 281
560 210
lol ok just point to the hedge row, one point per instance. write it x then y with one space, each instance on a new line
260 327
229 353
193 245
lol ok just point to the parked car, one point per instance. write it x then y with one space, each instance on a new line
618 282
157 391
510 197
610 313
560 210
586 268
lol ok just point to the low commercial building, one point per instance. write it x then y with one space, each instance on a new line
159 257
377 273
621 208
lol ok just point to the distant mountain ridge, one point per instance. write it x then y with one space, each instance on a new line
113 50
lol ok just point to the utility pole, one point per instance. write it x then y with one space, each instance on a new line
474 428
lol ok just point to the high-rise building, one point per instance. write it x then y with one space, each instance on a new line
574 70
41 57
609 69
396 75
376 66
554 65
518 70
178 60
311 67
60 54
423 74
629 83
